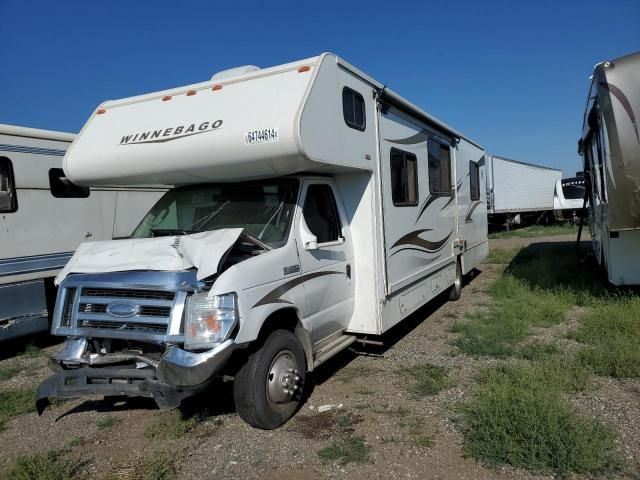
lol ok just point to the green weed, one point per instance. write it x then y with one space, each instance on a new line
346 450
41 466
427 379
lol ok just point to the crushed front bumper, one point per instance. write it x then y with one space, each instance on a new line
178 375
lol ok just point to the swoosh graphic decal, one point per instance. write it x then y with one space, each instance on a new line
626 104
447 204
405 249
429 200
274 295
419 137
413 238
470 212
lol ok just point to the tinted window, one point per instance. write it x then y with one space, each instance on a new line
404 178
320 213
8 198
439 168
474 179
353 109
62 187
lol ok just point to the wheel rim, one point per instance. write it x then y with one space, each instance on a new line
458 282
283 379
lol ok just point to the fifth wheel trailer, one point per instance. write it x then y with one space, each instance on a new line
610 147
44 217
519 192
312 206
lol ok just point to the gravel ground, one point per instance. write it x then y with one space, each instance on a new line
407 436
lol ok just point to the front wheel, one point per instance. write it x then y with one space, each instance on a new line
456 290
268 388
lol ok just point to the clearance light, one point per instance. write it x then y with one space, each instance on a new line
166 97
218 86
304 68
101 111
191 92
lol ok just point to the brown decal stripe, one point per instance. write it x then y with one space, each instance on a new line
274 295
430 199
626 104
420 137
470 212
414 239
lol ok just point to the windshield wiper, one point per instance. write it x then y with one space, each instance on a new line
203 221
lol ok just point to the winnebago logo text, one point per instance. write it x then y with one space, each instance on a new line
171 133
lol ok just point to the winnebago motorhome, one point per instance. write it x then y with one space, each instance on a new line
568 198
610 147
312 206
43 219
519 193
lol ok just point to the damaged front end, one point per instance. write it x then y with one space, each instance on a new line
149 334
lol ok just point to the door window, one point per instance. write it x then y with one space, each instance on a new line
8 199
321 214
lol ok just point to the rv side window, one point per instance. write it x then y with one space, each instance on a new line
474 178
353 109
62 187
8 199
439 168
404 178
321 214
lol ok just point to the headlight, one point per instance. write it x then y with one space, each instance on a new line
209 320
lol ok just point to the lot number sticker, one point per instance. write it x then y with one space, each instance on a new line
266 135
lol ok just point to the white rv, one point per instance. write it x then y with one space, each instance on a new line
313 206
519 193
610 147
44 217
568 198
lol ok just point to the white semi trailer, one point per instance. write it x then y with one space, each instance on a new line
43 219
312 206
519 192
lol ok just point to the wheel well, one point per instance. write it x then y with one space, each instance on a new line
287 319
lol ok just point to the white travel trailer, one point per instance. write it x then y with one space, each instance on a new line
44 217
518 192
568 198
610 147
313 206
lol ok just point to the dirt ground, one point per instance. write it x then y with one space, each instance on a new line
408 437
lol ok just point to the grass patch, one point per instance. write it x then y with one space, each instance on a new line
536 351
32 351
16 402
537 231
7 373
502 255
428 379
424 441
346 450
157 467
41 466
520 418
353 372
612 332
171 425
106 422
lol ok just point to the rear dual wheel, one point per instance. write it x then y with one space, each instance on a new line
268 388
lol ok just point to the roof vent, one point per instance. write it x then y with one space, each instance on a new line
234 72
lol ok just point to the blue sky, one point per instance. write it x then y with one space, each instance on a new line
512 75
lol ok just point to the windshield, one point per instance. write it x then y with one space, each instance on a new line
263 208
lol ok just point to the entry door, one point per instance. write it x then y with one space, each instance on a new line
327 265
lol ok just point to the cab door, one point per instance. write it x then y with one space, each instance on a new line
326 259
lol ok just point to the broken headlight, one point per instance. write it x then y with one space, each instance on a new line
209 320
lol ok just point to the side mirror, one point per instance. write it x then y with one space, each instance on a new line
308 239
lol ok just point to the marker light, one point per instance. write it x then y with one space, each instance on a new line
101 111
217 86
304 68
191 92
166 97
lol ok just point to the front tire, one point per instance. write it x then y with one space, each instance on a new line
268 388
456 290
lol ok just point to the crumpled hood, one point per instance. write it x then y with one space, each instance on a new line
202 250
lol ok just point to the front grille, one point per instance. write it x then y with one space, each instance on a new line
67 311
128 293
128 326
89 307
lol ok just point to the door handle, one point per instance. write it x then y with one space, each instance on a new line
348 271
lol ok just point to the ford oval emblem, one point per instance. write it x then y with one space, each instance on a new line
123 309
